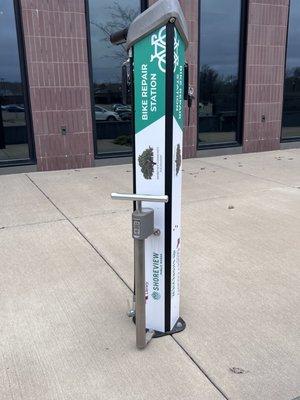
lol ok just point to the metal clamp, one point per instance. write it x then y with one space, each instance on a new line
142 227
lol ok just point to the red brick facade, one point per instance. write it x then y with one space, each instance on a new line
59 88
265 63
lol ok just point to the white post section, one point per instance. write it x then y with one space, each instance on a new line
158 39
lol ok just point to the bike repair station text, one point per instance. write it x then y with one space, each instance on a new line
148 92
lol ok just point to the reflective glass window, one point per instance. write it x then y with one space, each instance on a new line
13 125
112 117
220 26
291 100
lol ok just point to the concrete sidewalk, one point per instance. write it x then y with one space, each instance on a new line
66 272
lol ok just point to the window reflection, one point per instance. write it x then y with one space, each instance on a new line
291 102
13 130
112 117
219 70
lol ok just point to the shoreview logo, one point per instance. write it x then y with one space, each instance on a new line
158 41
156 295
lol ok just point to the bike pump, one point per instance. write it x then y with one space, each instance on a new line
155 81
142 228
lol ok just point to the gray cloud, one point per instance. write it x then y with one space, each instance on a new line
9 62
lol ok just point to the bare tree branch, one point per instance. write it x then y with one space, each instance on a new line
120 18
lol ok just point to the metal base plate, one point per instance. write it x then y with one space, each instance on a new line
178 327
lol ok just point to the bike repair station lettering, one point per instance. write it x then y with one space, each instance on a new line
148 92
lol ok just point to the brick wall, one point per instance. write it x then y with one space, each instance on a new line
190 10
56 52
265 63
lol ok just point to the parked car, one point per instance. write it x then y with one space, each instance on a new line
13 115
102 114
125 115
117 106
121 107
13 108
124 112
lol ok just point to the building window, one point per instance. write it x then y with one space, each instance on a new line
291 98
220 74
112 119
14 132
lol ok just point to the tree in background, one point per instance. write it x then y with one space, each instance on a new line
120 18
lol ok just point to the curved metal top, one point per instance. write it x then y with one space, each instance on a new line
154 17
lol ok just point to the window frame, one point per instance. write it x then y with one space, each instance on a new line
296 138
143 6
24 81
241 81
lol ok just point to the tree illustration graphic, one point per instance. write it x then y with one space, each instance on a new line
146 163
178 159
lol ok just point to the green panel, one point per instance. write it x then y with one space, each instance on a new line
179 59
149 78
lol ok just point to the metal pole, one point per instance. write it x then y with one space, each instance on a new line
139 284
140 301
139 206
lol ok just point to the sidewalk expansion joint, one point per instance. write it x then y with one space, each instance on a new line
247 173
201 370
226 196
80 233
31 224
217 387
103 213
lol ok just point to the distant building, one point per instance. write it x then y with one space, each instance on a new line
60 79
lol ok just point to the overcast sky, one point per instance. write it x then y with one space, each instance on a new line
293 53
9 57
220 32
106 63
